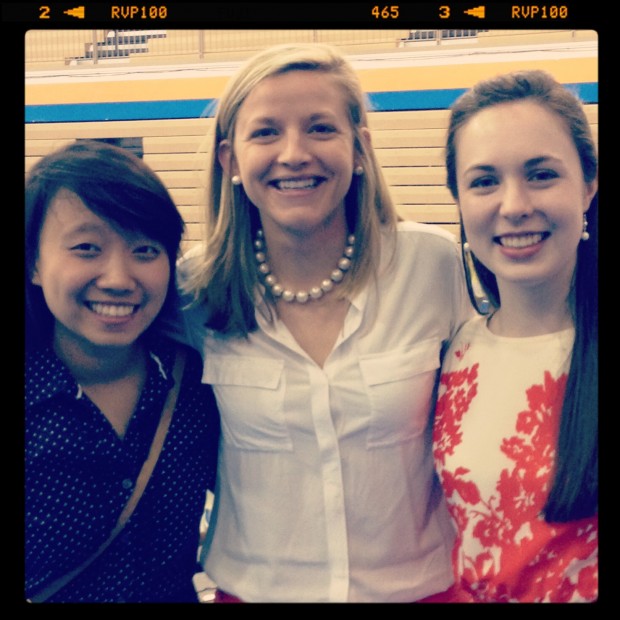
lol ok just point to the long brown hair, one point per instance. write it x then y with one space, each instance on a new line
574 493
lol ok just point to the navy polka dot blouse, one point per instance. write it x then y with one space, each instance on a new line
80 474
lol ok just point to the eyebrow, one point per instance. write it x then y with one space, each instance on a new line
535 161
269 120
320 115
82 229
530 163
86 227
479 168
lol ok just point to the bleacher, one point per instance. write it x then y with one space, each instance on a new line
409 147
117 44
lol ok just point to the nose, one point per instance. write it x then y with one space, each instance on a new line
294 152
516 202
116 275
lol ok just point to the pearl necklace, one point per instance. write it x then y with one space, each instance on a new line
316 292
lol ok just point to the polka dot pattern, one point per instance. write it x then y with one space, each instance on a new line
80 474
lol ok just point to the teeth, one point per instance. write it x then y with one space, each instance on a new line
522 241
297 184
114 310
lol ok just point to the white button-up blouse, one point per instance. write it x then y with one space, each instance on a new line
326 490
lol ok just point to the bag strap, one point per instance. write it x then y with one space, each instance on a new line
141 482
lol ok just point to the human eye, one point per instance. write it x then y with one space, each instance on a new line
263 133
483 183
542 175
322 128
148 251
85 249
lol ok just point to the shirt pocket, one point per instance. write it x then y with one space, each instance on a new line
250 395
400 386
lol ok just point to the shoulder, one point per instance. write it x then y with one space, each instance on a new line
472 328
468 336
429 233
426 245
192 358
471 332
193 389
168 350
46 376
190 261
43 358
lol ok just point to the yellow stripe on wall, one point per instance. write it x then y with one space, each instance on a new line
410 78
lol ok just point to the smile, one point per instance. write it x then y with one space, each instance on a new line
296 184
111 310
521 241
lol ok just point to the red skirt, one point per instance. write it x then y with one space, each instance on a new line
224 597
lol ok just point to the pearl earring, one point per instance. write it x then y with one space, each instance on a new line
358 171
236 180
466 247
585 235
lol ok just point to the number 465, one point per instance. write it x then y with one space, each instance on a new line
387 12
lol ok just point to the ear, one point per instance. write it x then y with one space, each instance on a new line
366 137
591 189
226 158
35 278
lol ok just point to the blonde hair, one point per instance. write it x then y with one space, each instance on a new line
224 277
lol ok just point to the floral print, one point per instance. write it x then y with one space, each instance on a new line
505 551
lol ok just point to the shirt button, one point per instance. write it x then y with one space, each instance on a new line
127 483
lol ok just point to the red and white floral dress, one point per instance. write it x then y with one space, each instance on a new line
494 439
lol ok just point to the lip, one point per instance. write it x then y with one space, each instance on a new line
521 245
297 184
112 312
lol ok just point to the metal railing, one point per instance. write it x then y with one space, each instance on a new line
49 48
53 49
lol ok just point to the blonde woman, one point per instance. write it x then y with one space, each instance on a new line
322 321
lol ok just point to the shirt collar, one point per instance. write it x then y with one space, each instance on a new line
47 376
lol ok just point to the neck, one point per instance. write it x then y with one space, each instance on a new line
305 256
524 316
306 267
100 365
